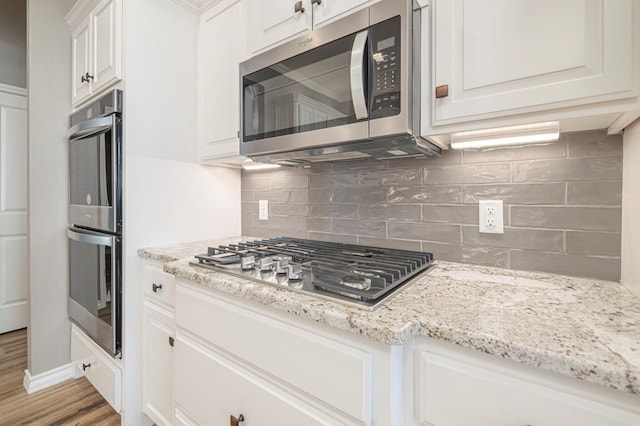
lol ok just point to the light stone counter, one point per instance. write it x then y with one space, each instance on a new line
583 328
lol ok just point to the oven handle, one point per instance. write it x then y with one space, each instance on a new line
90 238
90 127
357 75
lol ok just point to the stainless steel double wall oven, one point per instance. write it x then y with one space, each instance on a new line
95 220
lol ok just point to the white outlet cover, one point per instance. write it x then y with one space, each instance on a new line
263 209
490 217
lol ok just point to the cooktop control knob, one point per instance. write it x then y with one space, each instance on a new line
281 264
265 264
247 262
295 272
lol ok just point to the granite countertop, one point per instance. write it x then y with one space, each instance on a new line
583 328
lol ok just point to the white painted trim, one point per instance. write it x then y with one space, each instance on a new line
197 6
623 121
48 378
13 90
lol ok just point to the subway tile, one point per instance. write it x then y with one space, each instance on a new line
299 195
290 182
286 222
255 183
442 251
389 243
486 256
360 195
409 212
372 228
320 181
578 218
341 180
568 264
319 224
460 174
333 238
256 231
334 210
289 209
395 177
594 144
572 169
323 195
250 207
519 238
593 243
354 166
450 214
246 196
436 232
596 193
515 153
428 194
519 193
448 157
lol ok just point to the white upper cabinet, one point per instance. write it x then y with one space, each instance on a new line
275 21
506 57
222 47
96 47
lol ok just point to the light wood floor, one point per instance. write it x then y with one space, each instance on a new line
74 402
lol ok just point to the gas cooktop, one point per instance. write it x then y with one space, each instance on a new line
356 275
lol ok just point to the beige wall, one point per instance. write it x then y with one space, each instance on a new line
13 42
49 65
631 208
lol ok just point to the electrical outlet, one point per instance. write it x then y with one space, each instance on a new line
490 218
263 209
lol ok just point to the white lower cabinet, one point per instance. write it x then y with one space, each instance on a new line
454 390
97 366
158 330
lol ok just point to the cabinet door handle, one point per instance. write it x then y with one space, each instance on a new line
318 2
85 366
442 91
298 7
155 287
172 341
235 421
85 78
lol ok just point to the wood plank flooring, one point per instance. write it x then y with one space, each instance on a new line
73 402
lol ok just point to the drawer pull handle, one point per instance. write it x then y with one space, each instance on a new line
235 421
298 7
172 341
155 287
442 91
85 366
85 78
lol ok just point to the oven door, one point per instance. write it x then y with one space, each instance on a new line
95 171
95 287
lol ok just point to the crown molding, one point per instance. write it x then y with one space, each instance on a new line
197 6
13 90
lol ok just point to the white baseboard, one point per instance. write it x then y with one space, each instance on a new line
48 378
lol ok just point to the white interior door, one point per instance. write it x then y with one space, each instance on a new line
13 211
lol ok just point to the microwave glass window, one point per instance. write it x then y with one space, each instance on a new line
307 92
91 171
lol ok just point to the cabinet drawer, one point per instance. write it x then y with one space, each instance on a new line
211 388
159 286
100 369
454 393
306 361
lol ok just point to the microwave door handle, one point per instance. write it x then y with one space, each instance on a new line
357 75
90 238
90 127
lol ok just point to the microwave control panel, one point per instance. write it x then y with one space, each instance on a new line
385 48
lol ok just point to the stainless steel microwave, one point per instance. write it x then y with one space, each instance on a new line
345 91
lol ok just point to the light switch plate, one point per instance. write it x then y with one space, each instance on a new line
263 209
490 218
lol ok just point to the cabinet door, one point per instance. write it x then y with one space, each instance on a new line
157 364
277 20
220 50
80 54
501 57
330 9
106 62
210 388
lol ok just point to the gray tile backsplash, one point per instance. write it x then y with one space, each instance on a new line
562 204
